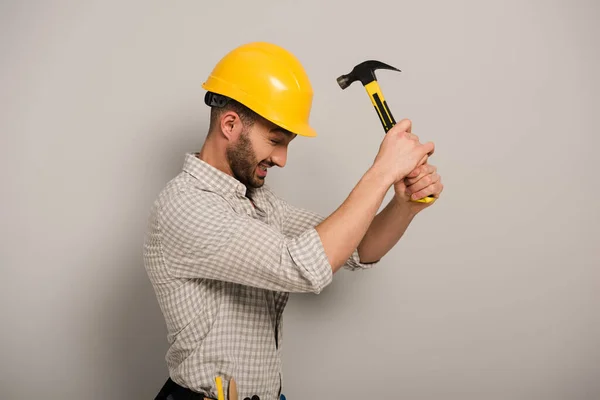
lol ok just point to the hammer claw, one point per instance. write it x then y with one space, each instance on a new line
363 72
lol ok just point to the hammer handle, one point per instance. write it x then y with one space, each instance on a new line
380 104
386 117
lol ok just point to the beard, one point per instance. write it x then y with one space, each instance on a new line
243 162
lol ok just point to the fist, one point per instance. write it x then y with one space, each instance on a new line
423 181
401 152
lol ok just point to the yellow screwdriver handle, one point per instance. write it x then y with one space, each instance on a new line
386 118
219 384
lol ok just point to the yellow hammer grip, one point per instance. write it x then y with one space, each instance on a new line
386 118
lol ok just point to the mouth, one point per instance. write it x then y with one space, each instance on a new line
261 170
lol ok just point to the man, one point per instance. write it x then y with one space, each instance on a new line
223 251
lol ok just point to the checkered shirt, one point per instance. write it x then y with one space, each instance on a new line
222 269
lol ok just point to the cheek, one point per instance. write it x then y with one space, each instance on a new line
263 152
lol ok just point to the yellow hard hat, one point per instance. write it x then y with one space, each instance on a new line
270 81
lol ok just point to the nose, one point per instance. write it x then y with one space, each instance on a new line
279 156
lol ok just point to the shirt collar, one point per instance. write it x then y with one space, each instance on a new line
209 177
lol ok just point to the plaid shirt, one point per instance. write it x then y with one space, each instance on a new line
222 268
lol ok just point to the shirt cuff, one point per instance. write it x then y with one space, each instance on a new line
354 262
309 255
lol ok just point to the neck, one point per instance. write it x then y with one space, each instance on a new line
213 153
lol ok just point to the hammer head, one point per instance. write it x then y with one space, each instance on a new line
363 72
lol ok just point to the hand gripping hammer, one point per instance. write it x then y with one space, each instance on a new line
365 73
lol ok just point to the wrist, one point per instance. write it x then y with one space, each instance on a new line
380 175
407 207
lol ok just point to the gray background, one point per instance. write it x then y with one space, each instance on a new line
492 294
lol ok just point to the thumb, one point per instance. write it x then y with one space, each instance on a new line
427 149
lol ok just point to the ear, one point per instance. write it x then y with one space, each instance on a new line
231 125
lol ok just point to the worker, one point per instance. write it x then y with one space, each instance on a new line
223 251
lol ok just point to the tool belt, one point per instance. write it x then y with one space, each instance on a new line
173 391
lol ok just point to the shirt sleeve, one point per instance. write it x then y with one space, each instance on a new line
298 219
202 237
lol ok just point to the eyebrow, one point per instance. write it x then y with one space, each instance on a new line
284 131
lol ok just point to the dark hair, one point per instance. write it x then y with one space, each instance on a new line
220 104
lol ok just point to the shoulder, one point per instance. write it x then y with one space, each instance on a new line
182 196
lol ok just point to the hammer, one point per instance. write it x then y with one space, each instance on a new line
365 73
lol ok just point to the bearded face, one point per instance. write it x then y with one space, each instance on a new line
244 162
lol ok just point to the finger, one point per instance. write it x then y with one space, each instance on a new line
426 149
424 182
414 173
432 190
430 153
424 170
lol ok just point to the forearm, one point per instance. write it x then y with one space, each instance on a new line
385 231
343 230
